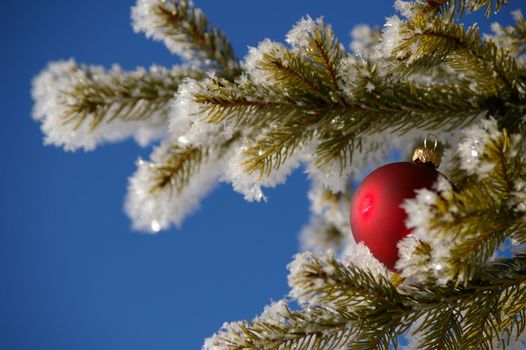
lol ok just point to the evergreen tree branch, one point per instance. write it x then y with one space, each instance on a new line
326 53
81 106
186 31
106 95
470 222
456 8
176 168
313 329
326 281
400 105
426 45
447 317
164 190
513 37
440 328
481 325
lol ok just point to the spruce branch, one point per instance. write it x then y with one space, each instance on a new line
327 229
326 53
439 328
176 168
456 8
460 230
326 281
513 37
426 45
313 102
444 317
81 105
312 329
295 114
186 31
102 96
164 190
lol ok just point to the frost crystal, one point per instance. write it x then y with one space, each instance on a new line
347 75
229 334
64 87
187 123
250 184
473 144
296 269
298 36
360 256
364 39
275 313
184 110
390 37
153 210
405 8
255 56
145 18
416 267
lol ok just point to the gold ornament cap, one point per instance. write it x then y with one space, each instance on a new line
428 154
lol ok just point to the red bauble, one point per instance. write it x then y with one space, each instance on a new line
377 219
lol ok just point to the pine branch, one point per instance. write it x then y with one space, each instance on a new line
456 8
481 325
326 54
478 314
477 231
448 317
480 231
440 328
107 95
176 169
376 337
296 96
81 106
426 45
330 283
313 329
297 116
186 31
166 189
513 37
463 228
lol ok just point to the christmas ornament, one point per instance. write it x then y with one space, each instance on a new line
377 219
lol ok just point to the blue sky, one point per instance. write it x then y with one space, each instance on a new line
73 275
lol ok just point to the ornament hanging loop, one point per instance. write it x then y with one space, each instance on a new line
429 155
434 138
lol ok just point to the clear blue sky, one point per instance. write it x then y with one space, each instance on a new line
72 273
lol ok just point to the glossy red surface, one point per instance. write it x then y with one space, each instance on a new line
376 216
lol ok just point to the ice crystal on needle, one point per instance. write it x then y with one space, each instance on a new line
83 106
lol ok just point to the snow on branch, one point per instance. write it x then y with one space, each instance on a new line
329 282
315 96
281 328
82 106
448 9
433 43
364 39
164 190
512 37
186 31
457 231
